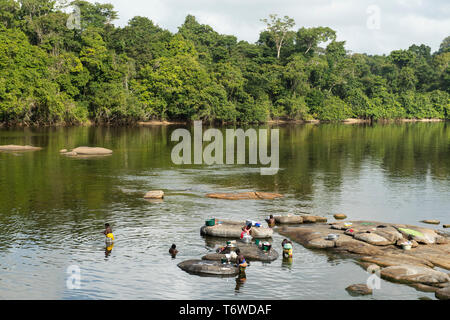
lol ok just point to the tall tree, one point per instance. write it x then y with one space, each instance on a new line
279 29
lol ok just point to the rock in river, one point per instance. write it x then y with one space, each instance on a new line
444 293
250 251
431 221
154 194
373 242
358 289
340 216
233 229
414 274
289 219
245 196
87 152
92 151
209 268
15 148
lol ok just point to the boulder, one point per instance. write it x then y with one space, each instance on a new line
340 216
446 226
421 235
92 151
63 151
209 268
16 148
358 289
443 293
313 219
251 252
409 274
288 219
154 194
245 196
226 230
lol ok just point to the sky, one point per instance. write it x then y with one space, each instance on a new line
367 26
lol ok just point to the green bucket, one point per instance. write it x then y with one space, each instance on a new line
210 222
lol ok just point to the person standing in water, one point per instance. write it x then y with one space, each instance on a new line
173 250
108 233
271 221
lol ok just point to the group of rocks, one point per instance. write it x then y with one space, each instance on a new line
77 152
401 253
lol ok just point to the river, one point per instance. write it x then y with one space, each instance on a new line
53 209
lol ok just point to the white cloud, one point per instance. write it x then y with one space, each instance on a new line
402 22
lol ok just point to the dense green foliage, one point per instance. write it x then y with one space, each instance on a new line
52 74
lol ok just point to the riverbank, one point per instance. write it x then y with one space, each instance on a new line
187 122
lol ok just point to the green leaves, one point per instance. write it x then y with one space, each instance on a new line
52 74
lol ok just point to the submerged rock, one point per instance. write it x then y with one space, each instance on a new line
154 194
209 268
358 289
245 196
16 148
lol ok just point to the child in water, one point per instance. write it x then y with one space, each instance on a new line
108 233
271 221
173 250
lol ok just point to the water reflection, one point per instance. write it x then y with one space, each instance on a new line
392 173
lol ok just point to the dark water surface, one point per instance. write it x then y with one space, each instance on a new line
53 208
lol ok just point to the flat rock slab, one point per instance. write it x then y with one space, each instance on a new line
209 268
154 194
245 196
431 221
251 252
88 152
378 243
290 219
414 274
233 230
15 148
358 290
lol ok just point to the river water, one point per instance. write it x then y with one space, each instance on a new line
53 209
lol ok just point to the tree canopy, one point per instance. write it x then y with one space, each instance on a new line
52 74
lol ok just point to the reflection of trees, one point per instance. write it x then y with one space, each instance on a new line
37 187
313 153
